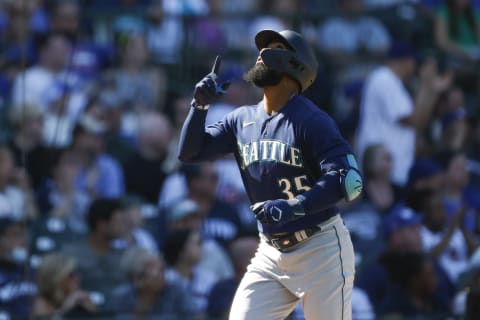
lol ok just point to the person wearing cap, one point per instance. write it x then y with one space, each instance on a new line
220 220
390 115
296 167
444 238
401 230
425 173
185 214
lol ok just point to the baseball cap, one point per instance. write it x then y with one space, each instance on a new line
423 168
454 115
400 49
182 209
399 217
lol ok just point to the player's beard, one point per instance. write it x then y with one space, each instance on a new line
262 76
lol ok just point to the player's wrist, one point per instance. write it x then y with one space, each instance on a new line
198 106
296 204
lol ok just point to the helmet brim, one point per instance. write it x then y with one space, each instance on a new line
264 37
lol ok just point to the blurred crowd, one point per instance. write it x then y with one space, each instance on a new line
99 219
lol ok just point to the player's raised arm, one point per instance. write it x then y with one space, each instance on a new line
195 142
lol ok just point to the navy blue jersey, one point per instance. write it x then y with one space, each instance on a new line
17 291
279 155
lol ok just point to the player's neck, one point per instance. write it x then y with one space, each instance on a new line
276 97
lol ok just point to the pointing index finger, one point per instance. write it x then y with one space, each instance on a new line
216 64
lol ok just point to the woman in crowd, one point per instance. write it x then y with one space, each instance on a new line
59 292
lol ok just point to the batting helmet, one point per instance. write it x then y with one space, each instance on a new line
299 62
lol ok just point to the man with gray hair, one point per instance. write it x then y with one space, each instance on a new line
148 293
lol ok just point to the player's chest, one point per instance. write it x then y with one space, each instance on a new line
269 144
274 129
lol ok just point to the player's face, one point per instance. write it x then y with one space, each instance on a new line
260 74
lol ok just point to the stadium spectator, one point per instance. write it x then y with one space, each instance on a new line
148 293
425 173
414 295
26 143
121 134
185 215
471 147
380 191
88 57
59 291
447 240
208 35
32 85
352 32
139 85
179 110
139 234
472 307
144 171
17 198
58 196
17 277
97 259
183 252
457 29
242 249
100 175
221 221
390 115
457 191
401 229
451 121
17 39
274 15
165 32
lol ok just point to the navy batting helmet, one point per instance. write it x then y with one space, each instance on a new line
299 62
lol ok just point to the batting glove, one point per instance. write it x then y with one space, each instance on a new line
278 212
208 90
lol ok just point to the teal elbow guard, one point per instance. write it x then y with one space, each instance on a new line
351 180
352 184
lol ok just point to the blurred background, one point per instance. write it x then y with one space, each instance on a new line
98 218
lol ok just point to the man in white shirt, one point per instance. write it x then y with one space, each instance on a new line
390 115
32 85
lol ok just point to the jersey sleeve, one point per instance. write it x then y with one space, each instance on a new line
200 143
332 160
322 136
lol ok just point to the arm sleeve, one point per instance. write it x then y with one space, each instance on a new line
331 187
200 143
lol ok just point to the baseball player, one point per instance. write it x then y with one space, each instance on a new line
295 166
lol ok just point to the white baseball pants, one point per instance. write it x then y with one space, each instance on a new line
319 273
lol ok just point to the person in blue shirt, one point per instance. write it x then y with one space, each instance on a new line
296 167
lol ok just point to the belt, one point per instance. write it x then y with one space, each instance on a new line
285 241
